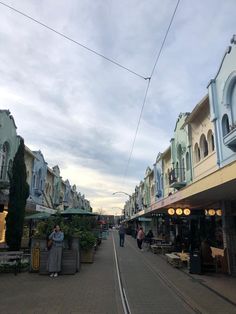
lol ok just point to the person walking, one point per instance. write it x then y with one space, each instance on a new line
140 237
122 235
55 252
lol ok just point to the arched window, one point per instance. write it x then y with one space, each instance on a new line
38 183
187 161
197 155
182 170
3 166
225 124
9 169
177 170
203 146
210 140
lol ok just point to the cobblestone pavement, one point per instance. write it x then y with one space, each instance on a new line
151 286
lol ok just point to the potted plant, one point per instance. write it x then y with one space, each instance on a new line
87 243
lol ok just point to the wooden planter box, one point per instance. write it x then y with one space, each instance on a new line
69 262
87 256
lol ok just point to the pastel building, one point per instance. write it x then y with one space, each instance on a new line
202 157
222 94
180 174
9 142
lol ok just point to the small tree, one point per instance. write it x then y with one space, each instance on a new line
19 192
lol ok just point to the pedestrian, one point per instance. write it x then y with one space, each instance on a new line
55 252
148 237
122 235
140 237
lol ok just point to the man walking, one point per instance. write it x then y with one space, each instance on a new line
122 234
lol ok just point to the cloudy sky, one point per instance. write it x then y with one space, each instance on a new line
82 111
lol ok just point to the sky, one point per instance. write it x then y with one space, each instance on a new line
82 111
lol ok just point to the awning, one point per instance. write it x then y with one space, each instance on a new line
38 216
77 211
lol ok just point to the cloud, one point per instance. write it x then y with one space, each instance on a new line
82 111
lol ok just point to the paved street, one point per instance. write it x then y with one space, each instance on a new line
150 284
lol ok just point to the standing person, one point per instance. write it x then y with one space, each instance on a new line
55 253
122 235
140 237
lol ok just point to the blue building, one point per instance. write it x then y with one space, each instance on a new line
39 174
222 94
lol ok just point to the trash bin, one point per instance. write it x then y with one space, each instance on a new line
195 263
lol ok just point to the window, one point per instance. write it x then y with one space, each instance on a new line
210 140
225 124
38 183
9 170
197 155
4 158
187 161
203 146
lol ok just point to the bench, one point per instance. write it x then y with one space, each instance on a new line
174 260
12 256
161 248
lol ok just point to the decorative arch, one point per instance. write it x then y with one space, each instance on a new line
203 146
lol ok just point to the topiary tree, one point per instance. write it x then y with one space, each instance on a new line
19 192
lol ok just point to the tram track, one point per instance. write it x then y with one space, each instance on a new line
124 300
189 303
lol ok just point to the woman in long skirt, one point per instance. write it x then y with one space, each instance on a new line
55 253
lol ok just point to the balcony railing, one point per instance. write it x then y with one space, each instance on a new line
230 139
177 178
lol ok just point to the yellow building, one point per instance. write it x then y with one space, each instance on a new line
202 140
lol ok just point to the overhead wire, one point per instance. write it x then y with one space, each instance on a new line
147 89
111 61
74 41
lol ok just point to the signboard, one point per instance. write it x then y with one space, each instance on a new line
144 219
43 209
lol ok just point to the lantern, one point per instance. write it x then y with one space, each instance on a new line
219 212
187 211
179 211
211 212
171 211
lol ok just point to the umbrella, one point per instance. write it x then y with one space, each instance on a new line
76 211
38 216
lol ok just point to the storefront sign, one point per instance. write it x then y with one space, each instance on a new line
144 219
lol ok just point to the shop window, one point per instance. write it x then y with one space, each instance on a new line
225 124
203 146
